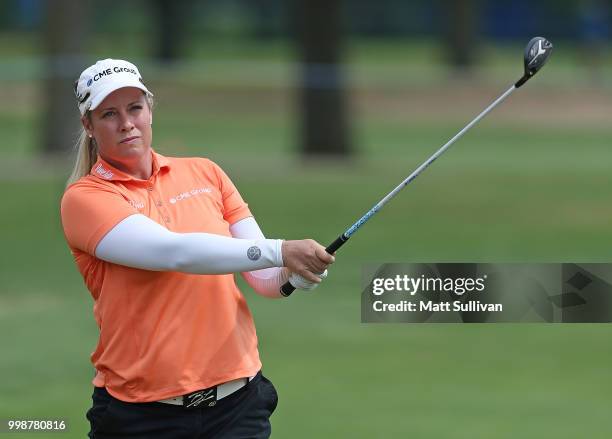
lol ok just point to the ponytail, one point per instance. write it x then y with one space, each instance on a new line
87 154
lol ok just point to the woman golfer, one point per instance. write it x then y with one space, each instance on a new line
157 240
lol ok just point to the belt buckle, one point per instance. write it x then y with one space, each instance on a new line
206 397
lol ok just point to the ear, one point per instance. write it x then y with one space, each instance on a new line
151 118
87 125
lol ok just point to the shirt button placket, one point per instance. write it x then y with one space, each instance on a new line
159 204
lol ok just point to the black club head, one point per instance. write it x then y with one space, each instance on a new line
536 54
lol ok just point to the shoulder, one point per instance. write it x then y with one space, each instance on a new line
88 188
89 184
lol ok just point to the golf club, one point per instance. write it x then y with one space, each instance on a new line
536 54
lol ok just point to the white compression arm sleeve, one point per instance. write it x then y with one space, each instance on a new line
265 282
140 242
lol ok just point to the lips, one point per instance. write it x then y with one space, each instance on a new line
129 139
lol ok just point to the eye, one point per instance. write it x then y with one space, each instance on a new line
136 107
108 114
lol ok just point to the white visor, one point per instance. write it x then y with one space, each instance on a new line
104 77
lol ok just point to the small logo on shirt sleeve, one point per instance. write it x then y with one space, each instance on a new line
136 204
254 253
103 172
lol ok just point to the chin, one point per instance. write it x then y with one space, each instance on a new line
133 147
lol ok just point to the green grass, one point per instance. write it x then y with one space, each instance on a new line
518 187
17 136
427 381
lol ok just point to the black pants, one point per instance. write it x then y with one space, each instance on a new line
243 414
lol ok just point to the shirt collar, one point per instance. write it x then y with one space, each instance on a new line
105 171
159 162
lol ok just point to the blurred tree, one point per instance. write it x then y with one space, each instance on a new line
323 105
268 18
64 36
28 14
594 33
171 16
461 31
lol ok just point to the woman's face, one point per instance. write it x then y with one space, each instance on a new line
121 126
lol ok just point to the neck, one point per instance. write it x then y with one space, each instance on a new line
141 168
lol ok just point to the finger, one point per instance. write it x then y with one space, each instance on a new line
317 267
300 283
310 276
324 256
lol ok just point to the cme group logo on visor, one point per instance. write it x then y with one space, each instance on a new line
110 71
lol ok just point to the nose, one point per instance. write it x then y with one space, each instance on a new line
126 123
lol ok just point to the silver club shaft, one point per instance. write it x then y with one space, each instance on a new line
425 164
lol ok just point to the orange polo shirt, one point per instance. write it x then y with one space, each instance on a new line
162 334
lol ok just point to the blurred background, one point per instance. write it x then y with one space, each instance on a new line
316 109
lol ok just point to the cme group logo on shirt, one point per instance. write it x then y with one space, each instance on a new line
189 194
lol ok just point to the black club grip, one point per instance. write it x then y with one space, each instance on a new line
286 289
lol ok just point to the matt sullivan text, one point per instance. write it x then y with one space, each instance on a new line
431 306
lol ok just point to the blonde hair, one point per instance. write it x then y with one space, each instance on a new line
87 151
87 154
